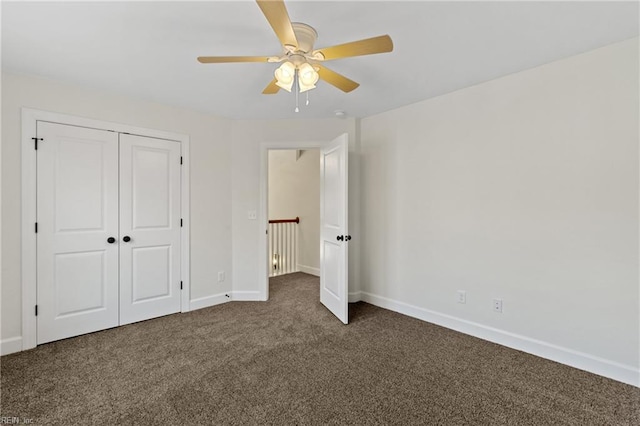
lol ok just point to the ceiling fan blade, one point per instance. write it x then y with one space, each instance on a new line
227 59
369 46
335 79
271 88
276 13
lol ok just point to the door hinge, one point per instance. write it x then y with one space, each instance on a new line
180 285
180 223
36 310
180 159
36 227
35 142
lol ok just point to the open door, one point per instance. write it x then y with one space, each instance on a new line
334 289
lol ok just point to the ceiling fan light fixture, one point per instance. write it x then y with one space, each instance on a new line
286 87
304 87
307 77
307 74
285 75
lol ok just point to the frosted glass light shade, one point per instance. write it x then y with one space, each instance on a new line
285 75
307 77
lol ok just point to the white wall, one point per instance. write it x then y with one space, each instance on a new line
523 188
210 144
248 135
294 191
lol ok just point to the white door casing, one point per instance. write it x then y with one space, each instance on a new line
77 274
150 220
334 291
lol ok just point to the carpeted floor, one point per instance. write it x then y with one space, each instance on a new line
289 361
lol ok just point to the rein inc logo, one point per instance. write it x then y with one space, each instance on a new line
4 420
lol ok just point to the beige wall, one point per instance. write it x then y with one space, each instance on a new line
210 144
294 190
524 188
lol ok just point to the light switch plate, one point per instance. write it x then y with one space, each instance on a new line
252 215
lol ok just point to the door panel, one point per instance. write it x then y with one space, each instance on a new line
331 270
77 272
151 273
79 170
334 290
333 216
150 216
80 285
151 192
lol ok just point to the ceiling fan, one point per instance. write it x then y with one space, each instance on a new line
299 59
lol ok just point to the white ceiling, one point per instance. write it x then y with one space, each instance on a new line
148 50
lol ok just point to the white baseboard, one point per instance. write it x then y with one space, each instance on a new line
309 270
10 345
238 296
355 296
583 361
207 301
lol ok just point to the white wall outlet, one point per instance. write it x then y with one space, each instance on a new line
461 296
252 215
220 276
497 305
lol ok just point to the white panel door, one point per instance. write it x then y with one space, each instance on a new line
334 289
77 199
149 228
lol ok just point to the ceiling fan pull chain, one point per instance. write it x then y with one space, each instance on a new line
307 98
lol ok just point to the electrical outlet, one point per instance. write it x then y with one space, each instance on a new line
462 296
252 215
220 276
497 305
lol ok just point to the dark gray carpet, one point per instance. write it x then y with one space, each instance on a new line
289 361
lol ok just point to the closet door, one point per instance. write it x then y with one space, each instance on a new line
77 231
149 228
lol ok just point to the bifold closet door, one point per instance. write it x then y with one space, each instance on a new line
149 228
77 199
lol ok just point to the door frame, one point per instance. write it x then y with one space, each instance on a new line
29 265
263 214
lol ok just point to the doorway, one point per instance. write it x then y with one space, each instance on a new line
333 230
294 211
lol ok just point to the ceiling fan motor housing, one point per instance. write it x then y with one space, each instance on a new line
306 36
